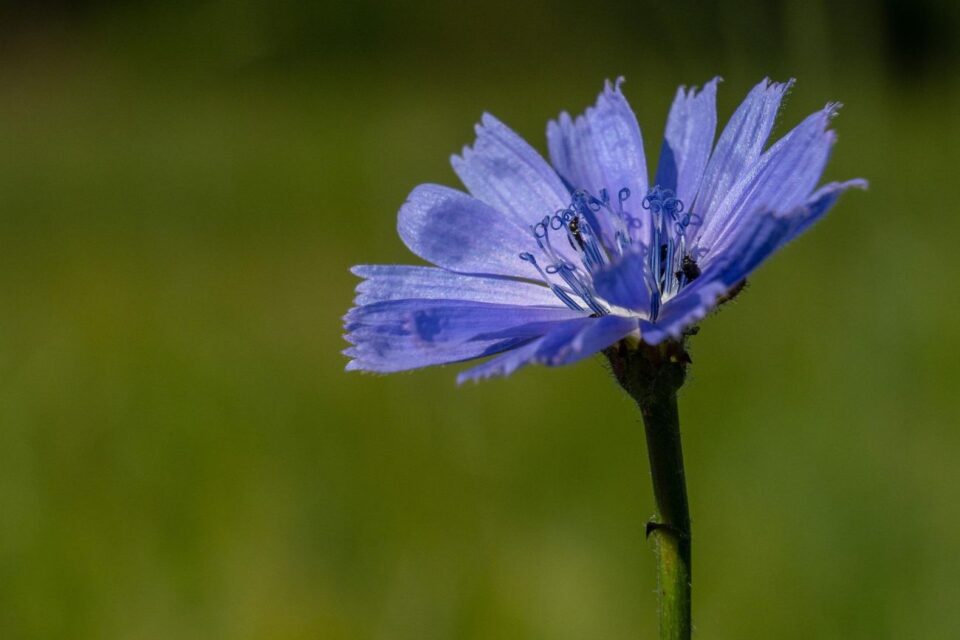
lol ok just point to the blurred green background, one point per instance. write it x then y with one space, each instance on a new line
183 187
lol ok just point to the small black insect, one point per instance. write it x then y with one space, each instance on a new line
574 227
688 269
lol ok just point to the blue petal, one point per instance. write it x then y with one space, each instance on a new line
406 334
820 202
508 174
683 311
595 337
770 232
697 299
457 232
781 181
502 365
623 283
602 149
739 145
688 140
383 356
396 282
566 343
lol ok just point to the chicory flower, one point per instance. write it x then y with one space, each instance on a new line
552 262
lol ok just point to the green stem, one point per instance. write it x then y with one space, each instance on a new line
652 377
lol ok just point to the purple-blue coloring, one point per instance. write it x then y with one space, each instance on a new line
551 262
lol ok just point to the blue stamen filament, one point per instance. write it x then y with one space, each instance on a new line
668 244
557 291
580 286
582 235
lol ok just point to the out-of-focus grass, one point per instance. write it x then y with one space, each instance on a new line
181 454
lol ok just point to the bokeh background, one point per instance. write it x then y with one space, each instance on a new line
183 187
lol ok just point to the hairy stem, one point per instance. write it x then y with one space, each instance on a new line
652 376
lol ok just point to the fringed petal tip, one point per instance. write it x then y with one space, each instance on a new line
857 183
695 91
831 109
784 87
822 199
477 375
358 363
355 362
360 270
490 121
489 125
826 115
457 159
611 97
612 87
368 368
481 129
563 125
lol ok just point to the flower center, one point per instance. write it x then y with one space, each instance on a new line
599 232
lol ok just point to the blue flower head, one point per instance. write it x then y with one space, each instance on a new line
550 264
